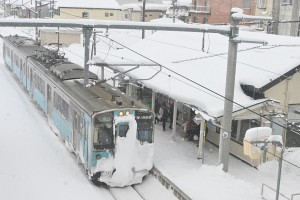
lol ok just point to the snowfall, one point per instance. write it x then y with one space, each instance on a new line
36 165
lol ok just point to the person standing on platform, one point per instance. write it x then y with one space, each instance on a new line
164 116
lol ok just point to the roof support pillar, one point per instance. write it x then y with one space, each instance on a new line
174 117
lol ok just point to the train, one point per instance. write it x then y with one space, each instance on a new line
110 133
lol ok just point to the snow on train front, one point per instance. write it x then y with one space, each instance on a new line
122 147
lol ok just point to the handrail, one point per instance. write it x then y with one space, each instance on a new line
262 191
292 196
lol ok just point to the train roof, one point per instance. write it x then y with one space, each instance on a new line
69 78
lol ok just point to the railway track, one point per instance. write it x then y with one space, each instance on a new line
126 193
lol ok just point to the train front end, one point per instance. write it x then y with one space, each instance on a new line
122 147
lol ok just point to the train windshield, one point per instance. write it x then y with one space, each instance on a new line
103 134
144 126
121 129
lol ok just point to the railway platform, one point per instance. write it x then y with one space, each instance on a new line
178 169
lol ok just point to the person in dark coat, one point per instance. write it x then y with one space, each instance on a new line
164 116
158 112
191 127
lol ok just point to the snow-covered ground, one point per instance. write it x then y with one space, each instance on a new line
36 165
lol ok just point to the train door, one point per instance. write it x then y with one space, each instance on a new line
24 74
11 60
22 71
76 130
31 82
49 96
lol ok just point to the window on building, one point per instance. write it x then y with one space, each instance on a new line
261 4
85 14
234 129
298 34
246 4
106 14
195 19
286 2
56 11
245 125
111 14
205 20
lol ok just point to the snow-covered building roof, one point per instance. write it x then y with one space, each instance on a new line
101 4
179 2
148 6
189 68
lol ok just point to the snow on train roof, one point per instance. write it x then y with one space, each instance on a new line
68 70
182 53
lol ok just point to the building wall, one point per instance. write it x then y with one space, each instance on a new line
220 10
76 13
66 38
279 91
238 133
267 11
136 15
285 14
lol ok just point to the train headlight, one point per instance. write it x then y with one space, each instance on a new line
121 113
127 113
98 157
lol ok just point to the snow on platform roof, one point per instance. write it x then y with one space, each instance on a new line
105 4
181 55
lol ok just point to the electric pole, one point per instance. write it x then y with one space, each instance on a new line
143 17
275 16
234 39
174 2
87 32
36 16
229 93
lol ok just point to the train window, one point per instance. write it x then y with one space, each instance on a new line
103 134
8 52
144 133
103 137
40 84
61 106
144 126
121 130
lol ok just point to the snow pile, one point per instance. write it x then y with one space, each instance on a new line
219 185
132 159
258 134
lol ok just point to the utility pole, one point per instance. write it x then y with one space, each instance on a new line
275 16
36 16
87 32
229 93
4 9
230 82
143 17
93 52
174 2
